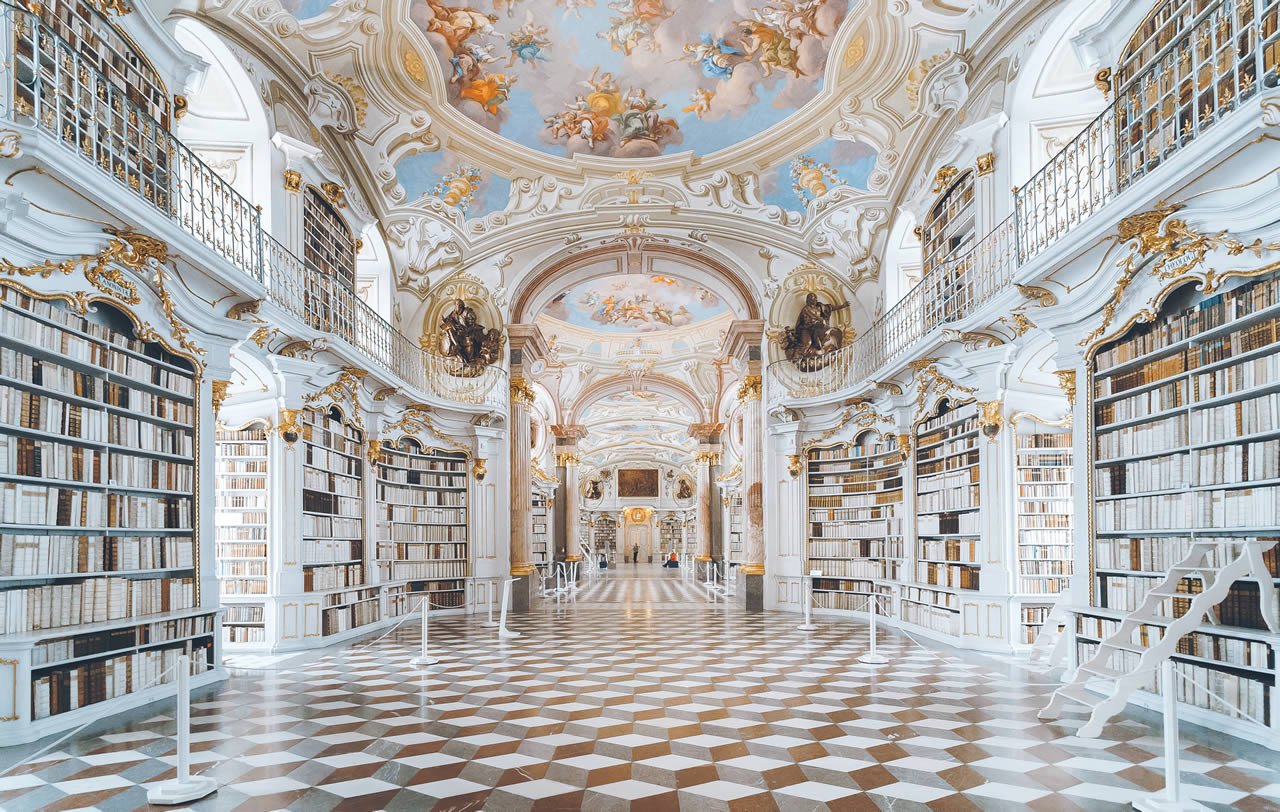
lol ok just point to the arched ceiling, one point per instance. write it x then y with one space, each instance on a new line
637 424
635 304
630 78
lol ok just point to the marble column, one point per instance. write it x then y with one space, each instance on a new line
707 459
752 492
705 499
521 492
571 552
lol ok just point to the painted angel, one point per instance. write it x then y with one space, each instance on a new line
701 102
528 42
716 57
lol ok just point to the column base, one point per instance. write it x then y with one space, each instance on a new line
522 593
751 591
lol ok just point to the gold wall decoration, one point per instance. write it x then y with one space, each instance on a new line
373 450
292 180
344 391
334 193
522 392
855 52
219 394
384 393
917 75
991 418
904 446
845 417
1179 252
10 143
890 387
109 7
262 335
1102 80
973 339
1041 297
931 386
294 349
359 100
730 475
944 177
751 388
180 107
865 416
416 421
480 469
921 364
564 459
414 67
794 465
1018 323
986 164
240 310
1067 383
706 458
289 428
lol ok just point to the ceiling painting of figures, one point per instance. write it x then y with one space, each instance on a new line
629 78
635 303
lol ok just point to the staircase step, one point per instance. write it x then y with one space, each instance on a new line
1076 693
1102 671
1130 647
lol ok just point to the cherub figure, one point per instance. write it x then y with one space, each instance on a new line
701 102
527 42
716 57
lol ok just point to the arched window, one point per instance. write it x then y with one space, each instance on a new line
949 226
328 246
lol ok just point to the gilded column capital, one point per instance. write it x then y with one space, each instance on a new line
292 180
991 417
1067 383
480 469
219 394
751 388
567 458
522 392
986 163
707 458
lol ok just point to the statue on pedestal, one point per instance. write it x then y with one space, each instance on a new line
808 344
464 338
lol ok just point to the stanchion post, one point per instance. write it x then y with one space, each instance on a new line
871 657
1171 799
488 599
808 626
185 787
503 631
425 657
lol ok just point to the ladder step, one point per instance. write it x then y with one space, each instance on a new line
1130 647
1076 693
1102 671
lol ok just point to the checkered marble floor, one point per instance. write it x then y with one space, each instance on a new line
638 584
614 707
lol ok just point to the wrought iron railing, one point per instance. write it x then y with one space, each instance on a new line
1228 51
55 89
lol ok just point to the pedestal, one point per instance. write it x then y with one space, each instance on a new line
523 593
751 592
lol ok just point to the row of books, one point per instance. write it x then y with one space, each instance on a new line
398 495
424 533
63 342
1156 436
931 597
343 481
1044 566
323 578
1242 377
955 576
1048 544
1151 474
949 481
61 380
41 555
239 481
1036 523
1043 440
146 634
1224 648
854 500
1232 420
1244 462
1247 507
1161 512
139 472
419 551
331 551
960 551
71 507
244 634
409 570
1175 327
1055 472
930 617
942 524
427 479
853 602
871 548
406 514
242 586
139 434
228 532
244 453
1203 686
1125 593
93 600
48 459
1042 585
332 527
31 411
420 462
331 463
858 482
854 568
857 454
961 498
67 689
242 569
329 503
950 424
345 618
328 431
1031 505
1144 404
244 613
1109 386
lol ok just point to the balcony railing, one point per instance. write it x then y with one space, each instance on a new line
58 91
1223 58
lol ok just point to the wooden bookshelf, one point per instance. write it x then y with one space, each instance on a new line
855 522
333 532
948 512
422 521
99 565
241 524
1185 447
1043 510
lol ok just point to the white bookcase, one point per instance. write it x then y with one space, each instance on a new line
422 526
333 530
855 522
541 541
99 558
1185 447
241 519
948 517
1043 475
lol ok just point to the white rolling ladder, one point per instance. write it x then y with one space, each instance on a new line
1219 563
1050 646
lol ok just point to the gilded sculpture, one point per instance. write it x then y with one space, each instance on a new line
463 337
810 343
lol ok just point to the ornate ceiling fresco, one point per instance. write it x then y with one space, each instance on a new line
635 303
637 424
628 78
